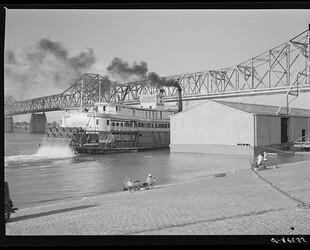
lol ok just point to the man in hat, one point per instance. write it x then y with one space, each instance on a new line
150 181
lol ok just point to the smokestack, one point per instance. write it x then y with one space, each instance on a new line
180 99
168 83
174 83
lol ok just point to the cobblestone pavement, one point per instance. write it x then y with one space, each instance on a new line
240 203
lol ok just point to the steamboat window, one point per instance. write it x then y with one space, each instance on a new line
104 109
108 122
97 121
113 123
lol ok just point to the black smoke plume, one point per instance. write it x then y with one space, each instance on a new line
162 81
122 71
45 68
77 63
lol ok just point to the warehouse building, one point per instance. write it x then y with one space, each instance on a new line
220 127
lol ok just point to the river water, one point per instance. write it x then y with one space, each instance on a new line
40 175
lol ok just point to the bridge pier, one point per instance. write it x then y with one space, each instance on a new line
38 123
8 124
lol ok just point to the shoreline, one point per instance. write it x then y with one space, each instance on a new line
171 183
237 203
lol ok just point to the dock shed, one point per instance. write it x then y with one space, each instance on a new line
221 127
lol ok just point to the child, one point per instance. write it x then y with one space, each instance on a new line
265 160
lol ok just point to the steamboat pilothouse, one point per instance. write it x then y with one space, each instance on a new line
111 127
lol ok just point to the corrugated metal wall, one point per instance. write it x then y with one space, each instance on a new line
212 123
296 125
268 129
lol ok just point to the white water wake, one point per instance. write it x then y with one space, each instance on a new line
54 152
44 152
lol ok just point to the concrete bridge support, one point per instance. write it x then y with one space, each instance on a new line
38 123
8 124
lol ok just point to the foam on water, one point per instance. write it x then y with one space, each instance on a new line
44 152
20 158
55 152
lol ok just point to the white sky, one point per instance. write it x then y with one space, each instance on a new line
169 41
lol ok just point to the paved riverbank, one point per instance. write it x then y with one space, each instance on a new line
236 203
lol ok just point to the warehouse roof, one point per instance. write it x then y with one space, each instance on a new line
260 109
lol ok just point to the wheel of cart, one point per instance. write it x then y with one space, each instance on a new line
8 204
7 213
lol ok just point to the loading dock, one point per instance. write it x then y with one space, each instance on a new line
222 127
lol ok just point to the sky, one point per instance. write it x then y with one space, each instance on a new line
47 50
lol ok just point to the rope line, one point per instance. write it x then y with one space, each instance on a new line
301 203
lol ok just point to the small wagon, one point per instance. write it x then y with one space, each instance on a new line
130 185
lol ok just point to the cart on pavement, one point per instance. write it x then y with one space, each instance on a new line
8 203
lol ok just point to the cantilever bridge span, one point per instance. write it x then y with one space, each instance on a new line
282 69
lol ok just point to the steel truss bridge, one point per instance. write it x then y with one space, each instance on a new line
282 69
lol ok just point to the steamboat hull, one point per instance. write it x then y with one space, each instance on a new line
92 142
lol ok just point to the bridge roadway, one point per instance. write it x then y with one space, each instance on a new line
282 69
37 105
